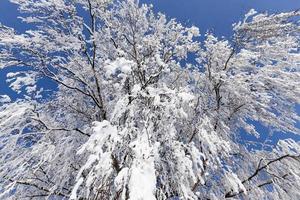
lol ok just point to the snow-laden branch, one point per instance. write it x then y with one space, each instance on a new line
151 124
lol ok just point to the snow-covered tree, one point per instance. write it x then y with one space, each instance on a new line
142 109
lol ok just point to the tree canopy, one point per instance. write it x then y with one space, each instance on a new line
143 110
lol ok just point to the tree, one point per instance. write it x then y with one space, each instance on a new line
142 109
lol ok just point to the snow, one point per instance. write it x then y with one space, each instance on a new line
4 99
288 146
170 125
159 61
185 96
120 64
233 183
102 131
194 31
142 181
18 80
121 181
249 14
74 191
136 89
11 113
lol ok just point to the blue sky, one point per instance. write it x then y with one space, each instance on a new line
214 15
218 15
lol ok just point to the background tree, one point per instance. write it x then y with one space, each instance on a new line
131 118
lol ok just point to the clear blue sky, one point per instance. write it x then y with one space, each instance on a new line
218 15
